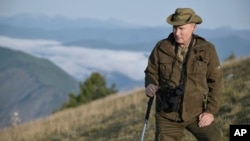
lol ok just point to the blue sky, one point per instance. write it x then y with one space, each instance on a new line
215 13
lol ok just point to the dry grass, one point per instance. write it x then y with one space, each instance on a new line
72 122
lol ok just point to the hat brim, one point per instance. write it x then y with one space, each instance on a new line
196 19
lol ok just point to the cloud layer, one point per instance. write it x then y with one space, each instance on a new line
81 61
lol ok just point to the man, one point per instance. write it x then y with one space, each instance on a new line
184 74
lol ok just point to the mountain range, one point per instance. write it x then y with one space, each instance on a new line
113 34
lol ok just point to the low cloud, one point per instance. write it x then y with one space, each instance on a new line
81 61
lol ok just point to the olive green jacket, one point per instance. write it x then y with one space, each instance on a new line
203 78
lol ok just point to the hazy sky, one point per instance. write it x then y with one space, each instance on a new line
215 13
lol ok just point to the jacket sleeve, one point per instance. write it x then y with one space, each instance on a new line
214 81
151 72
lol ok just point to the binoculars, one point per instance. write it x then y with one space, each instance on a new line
170 98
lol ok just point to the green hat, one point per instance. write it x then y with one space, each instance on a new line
183 16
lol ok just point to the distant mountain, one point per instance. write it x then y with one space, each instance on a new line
112 35
112 31
225 46
124 83
102 44
231 44
31 86
60 22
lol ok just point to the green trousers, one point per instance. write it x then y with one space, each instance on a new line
168 130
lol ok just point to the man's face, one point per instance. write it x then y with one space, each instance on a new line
183 33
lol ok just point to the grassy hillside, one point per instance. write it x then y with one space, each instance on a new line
121 117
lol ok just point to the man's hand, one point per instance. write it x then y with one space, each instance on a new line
205 119
151 90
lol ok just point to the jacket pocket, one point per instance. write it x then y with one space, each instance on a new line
169 71
165 66
200 67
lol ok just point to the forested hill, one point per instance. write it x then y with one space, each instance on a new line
31 86
121 117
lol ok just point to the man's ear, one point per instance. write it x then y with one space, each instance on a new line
194 27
